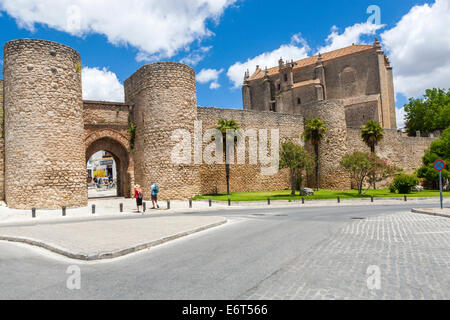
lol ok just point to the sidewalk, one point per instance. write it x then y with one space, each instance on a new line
105 238
109 207
434 212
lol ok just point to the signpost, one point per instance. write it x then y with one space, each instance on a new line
439 165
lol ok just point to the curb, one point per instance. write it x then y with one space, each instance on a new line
424 211
108 255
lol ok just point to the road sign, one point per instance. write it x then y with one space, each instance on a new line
439 165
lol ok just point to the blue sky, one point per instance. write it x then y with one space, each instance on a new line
115 38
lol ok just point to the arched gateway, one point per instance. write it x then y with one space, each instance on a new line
117 145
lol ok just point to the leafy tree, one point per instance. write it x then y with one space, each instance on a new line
430 113
362 166
439 149
296 159
224 125
315 130
381 169
372 133
404 183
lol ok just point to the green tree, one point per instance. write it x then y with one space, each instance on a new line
223 126
404 183
439 149
430 113
296 159
362 166
372 133
359 166
315 130
381 169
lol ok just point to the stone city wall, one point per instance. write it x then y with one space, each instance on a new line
164 99
403 152
107 128
333 146
248 177
2 145
44 132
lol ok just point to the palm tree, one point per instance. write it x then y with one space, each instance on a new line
224 125
372 133
315 130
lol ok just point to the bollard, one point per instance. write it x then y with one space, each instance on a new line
303 200
210 202
121 207
339 199
229 202
168 204
64 211
33 212
144 206
405 198
371 198
93 209
268 201
190 203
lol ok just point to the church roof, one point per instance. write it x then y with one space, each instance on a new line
259 73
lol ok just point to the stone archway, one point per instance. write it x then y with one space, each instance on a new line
115 144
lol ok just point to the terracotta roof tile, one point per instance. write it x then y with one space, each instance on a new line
259 74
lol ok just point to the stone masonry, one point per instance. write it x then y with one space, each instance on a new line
49 133
164 98
44 132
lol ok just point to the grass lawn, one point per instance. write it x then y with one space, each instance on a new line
322 194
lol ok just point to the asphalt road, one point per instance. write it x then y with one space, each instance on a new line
227 262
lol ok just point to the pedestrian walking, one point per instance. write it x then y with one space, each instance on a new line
155 191
138 194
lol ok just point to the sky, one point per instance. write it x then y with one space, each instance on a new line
221 39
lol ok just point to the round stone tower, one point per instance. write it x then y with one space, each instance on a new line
164 98
334 145
44 131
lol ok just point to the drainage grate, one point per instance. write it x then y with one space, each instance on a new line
357 218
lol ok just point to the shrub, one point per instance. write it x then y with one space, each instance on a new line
404 183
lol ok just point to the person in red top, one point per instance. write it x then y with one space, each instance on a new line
138 194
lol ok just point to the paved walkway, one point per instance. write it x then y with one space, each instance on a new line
110 207
408 252
445 212
106 238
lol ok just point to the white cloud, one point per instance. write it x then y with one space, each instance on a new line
196 56
156 28
350 35
209 75
214 85
270 59
400 114
101 85
419 48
